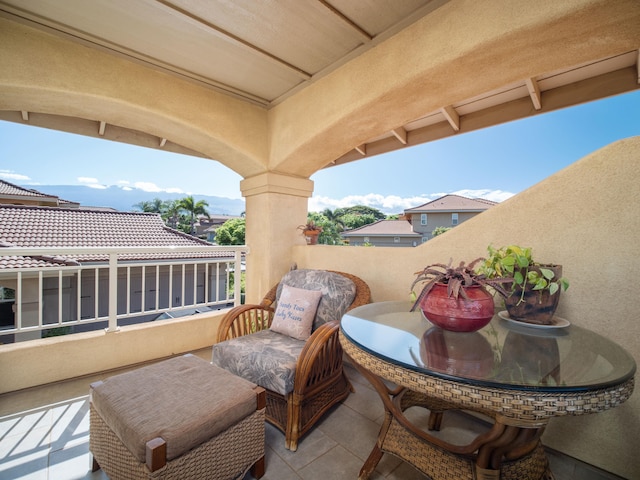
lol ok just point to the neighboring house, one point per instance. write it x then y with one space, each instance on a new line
384 233
206 227
417 224
14 195
38 226
447 211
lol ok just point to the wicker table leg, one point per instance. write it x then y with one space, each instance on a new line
511 450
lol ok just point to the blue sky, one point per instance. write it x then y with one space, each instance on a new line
493 163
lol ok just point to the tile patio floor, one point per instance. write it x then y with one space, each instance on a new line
44 435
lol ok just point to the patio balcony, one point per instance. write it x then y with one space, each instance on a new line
437 75
603 441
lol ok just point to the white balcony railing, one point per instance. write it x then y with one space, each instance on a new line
134 285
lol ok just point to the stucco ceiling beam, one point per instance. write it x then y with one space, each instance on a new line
163 142
534 92
638 66
102 128
401 134
610 84
452 117
237 40
362 149
25 115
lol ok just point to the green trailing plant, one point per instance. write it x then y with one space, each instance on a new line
517 262
456 278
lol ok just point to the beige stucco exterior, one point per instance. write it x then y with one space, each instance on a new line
568 220
463 49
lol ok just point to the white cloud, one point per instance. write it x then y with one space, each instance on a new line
147 186
153 188
493 195
89 180
9 175
396 204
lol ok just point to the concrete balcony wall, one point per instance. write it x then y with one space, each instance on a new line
585 217
49 360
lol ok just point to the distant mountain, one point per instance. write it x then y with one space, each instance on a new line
125 199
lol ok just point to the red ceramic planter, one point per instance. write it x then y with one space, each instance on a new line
465 354
458 315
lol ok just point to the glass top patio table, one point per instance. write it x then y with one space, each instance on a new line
505 354
518 375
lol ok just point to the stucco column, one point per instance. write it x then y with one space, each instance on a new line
276 205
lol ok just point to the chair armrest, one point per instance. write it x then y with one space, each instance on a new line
270 298
320 359
243 320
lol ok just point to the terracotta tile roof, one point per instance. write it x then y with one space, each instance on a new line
7 188
33 226
9 193
453 203
394 228
8 262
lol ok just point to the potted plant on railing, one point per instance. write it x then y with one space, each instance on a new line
456 298
535 289
311 232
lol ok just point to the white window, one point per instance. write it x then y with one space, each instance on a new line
454 219
423 219
366 239
396 239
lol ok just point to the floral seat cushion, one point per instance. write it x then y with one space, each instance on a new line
268 358
265 358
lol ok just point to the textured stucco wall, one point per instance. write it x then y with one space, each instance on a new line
48 360
586 218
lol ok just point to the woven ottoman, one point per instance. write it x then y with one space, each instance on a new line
182 418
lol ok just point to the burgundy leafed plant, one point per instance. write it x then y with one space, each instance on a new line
456 279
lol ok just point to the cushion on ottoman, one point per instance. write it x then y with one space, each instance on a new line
185 401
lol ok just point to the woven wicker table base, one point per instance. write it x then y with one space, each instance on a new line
438 463
511 450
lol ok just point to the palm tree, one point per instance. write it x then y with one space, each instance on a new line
154 206
172 213
194 209
334 218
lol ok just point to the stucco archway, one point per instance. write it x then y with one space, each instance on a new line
44 74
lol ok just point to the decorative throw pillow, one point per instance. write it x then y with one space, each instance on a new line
295 312
338 292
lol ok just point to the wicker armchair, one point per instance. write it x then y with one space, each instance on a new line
319 381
